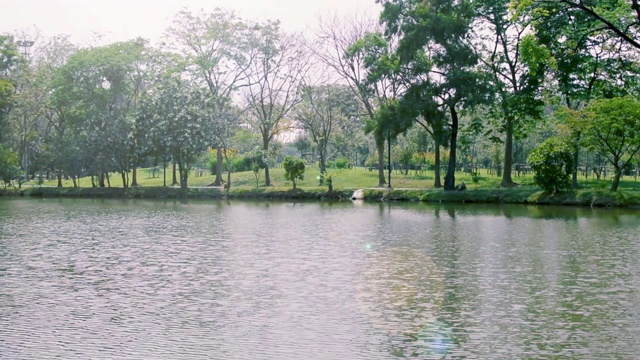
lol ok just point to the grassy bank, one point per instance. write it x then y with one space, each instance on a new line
177 193
407 187
518 195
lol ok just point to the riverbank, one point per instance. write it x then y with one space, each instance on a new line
518 195
177 193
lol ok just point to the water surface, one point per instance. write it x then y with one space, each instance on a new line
140 279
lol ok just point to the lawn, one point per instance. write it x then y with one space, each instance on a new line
357 178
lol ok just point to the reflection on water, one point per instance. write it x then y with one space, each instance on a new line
400 290
245 280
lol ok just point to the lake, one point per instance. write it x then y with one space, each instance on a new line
141 279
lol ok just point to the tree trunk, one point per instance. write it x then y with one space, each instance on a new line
576 155
507 180
73 178
616 179
175 179
323 166
101 179
93 184
389 158
59 176
228 184
164 174
134 182
108 178
267 176
124 180
380 146
184 175
436 182
218 180
450 178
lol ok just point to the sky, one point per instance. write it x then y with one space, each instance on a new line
120 20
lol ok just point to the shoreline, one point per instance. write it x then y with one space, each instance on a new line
525 195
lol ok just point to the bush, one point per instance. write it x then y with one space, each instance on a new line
342 163
372 161
239 163
552 165
293 169
9 167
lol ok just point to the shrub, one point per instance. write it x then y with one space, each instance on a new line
293 169
372 161
342 163
552 165
9 167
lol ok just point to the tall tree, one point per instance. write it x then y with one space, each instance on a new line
621 18
587 60
335 48
384 83
420 103
64 155
322 110
274 78
218 46
9 61
104 84
440 29
181 120
509 52
612 126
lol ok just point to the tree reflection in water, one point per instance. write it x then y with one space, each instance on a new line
401 290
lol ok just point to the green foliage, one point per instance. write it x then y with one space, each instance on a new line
258 160
612 126
475 178
293 169
9 166
552 165
372 161
9 59
342 163
323 111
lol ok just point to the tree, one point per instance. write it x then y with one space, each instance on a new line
219 47
620 18
586 61
341 47
322 110
9 166
439 30
58 110
26 119
183 111
102 86
552 165
225 125
259 160
385 84
420 103
612 126
509 53
9 61
293 169
274 80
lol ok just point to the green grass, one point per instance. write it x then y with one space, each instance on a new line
342 179
357 178
405 187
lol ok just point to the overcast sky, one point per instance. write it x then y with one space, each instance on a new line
126 19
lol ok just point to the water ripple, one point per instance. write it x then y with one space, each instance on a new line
198 280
